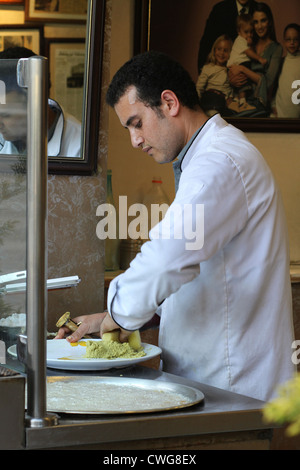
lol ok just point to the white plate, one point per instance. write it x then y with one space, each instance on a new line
62 355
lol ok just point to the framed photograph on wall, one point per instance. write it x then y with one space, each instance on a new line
56 10
66 69
154 30
21 36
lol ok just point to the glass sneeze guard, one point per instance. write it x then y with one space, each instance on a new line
13 190
23 203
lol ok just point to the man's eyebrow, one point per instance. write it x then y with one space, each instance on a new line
130 119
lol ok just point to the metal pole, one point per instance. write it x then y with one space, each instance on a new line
33 74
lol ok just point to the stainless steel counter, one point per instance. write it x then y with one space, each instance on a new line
221 412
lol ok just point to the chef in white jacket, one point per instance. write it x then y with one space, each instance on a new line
218 276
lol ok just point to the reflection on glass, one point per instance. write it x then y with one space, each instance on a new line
64 130
13 125
13 259
13 111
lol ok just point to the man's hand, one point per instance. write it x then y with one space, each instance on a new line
109 325
89 324
97 323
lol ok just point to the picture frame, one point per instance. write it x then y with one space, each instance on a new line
87 163
146 26
66 11
11 2
29 36
66 71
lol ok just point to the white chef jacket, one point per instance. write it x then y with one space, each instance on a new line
226 315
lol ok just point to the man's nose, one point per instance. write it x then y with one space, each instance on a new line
136 139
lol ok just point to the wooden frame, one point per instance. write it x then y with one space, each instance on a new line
142 42
67 11
92 88
87 164
29 36
11 2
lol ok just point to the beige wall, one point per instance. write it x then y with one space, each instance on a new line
282 152
132 171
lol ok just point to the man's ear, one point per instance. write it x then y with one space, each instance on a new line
170 102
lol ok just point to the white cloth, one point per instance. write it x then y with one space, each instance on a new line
226 315
237 54
289 73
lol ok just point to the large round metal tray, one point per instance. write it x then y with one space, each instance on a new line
117 395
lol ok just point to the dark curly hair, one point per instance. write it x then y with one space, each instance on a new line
151 73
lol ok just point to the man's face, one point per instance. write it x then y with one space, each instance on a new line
13 117
154 131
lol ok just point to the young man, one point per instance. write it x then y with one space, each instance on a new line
224 298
